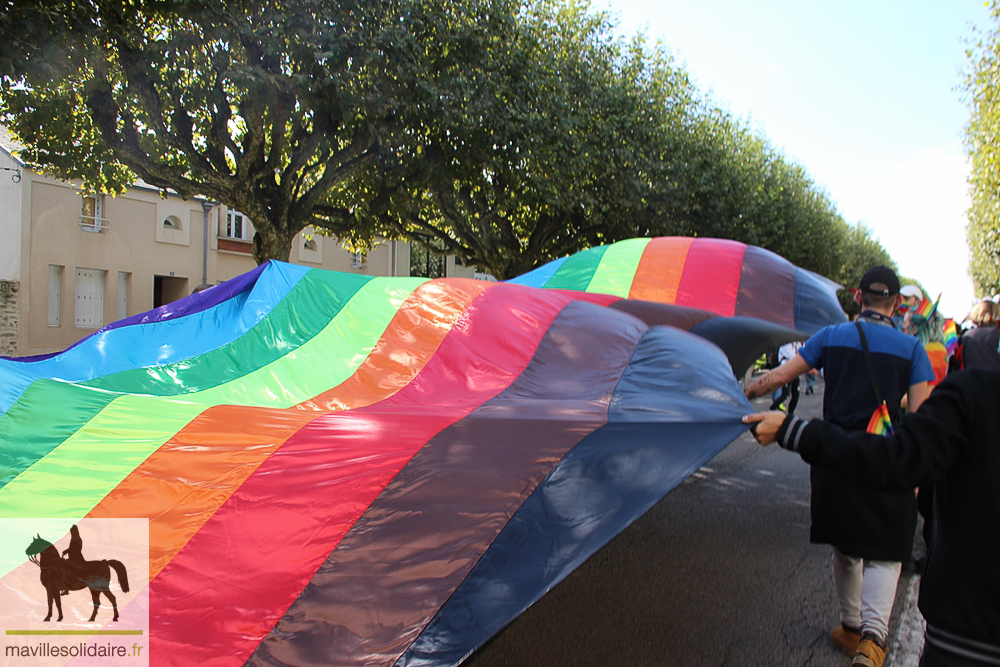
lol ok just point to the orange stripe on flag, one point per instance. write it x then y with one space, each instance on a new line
938 356
880 424
660 268
231 442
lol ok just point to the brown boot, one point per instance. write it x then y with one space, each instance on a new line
870 653
846 639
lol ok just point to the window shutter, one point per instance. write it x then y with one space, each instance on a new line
89 298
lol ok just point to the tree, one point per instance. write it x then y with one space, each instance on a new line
590 139
275 109
982 145
506 132
734 184
558 152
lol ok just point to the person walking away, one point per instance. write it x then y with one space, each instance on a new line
811 380
871 531
786 353
978 346
929 329
952 442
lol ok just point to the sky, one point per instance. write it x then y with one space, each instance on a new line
864 94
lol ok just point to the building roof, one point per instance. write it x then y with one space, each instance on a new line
10 145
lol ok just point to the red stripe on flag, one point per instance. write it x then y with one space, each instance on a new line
711 279
229 585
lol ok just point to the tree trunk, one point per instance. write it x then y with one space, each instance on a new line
269 243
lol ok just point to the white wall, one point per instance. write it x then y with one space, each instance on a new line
10 221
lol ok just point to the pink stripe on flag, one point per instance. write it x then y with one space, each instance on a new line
712 273
225 590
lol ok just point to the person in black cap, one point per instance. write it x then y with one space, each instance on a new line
871 532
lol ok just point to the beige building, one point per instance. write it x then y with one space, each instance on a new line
70 264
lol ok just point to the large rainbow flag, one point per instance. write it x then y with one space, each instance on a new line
346 470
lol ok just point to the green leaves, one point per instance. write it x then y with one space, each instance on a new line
982 88
507 132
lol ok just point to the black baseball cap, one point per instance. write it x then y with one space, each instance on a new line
880 281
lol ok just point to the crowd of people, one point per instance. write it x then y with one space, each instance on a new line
907 405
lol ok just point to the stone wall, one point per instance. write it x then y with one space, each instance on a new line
8 317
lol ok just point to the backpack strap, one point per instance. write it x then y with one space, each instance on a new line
868 360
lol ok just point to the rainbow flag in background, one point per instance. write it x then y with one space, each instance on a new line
880 423
937 354
926 309
950 336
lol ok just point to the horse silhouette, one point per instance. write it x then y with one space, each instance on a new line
60 575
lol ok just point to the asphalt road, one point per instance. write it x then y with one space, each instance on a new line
720 572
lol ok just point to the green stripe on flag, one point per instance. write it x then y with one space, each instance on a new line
576 272
28 431
72 478
616 271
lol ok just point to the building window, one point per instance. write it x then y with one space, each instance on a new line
358 260
426 263
235 233
123 281
92 213
311 246
55 294
89 298
237 226
172 222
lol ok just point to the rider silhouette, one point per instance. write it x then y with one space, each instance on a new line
74 555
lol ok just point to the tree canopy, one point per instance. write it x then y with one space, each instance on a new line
506 132
982 86
592 139
271 108
567 151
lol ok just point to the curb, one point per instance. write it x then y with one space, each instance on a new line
908 641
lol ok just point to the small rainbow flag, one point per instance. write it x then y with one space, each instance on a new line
926 309
880 423
950 336
937 354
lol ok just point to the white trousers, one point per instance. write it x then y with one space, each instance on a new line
867 590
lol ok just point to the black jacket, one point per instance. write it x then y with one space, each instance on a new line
953 443
979 348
